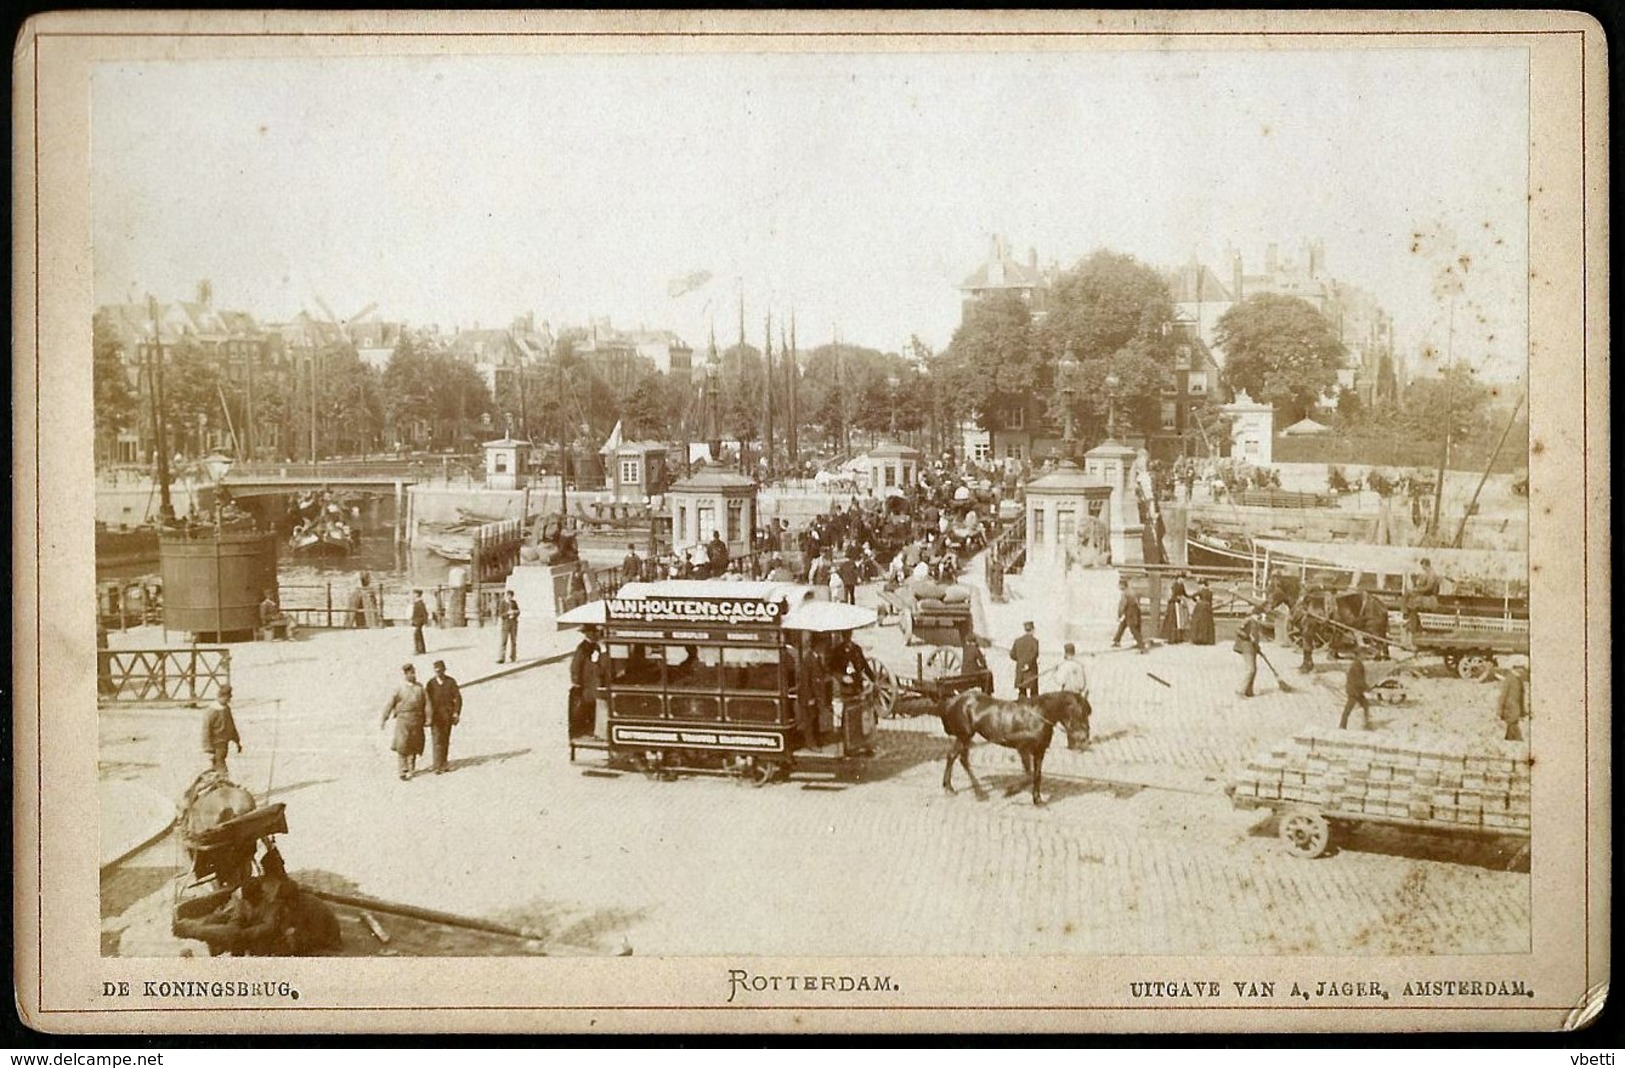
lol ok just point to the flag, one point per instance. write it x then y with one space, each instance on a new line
687 283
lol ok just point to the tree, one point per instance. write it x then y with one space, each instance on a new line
1099 307
1454 403
1281 351
992 363
349 403
191 396
409 393
1113 314
116 404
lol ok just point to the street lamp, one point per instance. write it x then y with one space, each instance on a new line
892 382
713 428
217 464
1112 382
1067 367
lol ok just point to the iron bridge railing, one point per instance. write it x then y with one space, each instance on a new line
192 674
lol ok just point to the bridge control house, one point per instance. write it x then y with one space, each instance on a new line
713 498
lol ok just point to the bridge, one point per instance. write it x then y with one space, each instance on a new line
261 479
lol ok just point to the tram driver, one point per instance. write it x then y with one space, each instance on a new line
849 669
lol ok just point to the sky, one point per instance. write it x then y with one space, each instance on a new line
857 190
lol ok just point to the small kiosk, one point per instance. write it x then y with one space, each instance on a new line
506 463
1069 517
635 471
892 466
731 676
714 498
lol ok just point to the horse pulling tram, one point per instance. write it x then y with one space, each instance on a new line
758 679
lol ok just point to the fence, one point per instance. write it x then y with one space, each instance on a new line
192 674
1227 583
1007 554
1397 450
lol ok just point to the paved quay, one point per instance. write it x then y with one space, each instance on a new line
1138 850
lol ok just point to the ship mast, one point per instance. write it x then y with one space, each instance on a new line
166 508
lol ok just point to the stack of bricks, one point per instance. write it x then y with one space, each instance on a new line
1421 779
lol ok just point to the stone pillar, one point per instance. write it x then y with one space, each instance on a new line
1113 462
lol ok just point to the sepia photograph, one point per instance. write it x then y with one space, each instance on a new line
748 520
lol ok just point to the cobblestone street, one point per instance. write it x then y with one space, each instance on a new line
1137 852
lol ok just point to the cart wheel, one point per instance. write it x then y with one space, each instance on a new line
1390 692
1475 667
1305 833
885 691
945 658
905 623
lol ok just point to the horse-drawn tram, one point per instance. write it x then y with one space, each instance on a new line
758 679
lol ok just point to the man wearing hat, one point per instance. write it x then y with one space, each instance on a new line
445 711
407 706
220 730
584 678
1024 651
1128 616
420 619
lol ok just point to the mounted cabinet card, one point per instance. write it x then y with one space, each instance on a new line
728 522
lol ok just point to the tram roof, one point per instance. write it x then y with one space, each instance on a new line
745 590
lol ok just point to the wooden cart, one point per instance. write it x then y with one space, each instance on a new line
936 677
1307 830
1469 644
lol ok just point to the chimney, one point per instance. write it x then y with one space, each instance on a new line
1235 277
205 293
1272 257
1032 257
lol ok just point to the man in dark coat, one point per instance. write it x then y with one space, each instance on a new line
445 711
1512 703
584 665
220 730
1247 639
716 550
847 667
632 566
508 649
849 578
1354 688
1024 651
420 619
408 706
1128 617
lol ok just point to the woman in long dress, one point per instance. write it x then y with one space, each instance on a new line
1176 617
1202 615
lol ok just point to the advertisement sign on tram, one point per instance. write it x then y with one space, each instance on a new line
696 611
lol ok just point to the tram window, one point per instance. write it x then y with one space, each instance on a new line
640 705
751 669
695 706
691 667
635 665
753 710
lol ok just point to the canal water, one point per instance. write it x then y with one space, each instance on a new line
377 553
